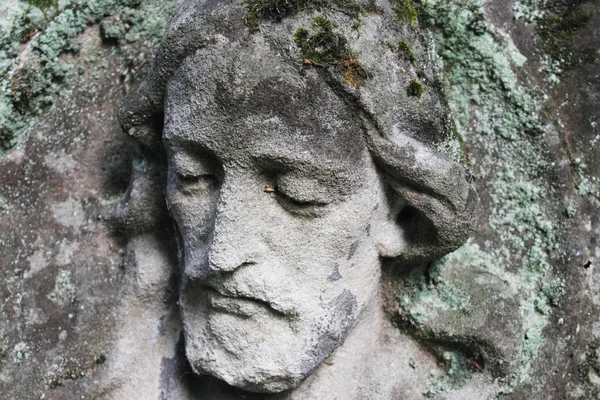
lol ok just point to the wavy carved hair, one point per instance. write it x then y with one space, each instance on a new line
401 131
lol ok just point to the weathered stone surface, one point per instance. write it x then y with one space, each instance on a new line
287 184
512 314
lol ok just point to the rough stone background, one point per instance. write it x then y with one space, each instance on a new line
524 86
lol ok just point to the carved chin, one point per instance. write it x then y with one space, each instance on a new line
265 353
249 378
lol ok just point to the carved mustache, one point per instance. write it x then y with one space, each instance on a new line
233 300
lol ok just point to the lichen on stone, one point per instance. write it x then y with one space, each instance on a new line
64 290
32 69
454 376
499 116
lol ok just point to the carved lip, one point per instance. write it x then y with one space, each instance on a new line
239 304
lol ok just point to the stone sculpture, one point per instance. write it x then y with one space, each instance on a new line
298 153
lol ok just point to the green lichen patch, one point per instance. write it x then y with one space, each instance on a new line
406 11
529 10
480 70
64 290
327 48
421 297
113 29
28 86
498 116
415 88
455 375
558 23
45 6
63 369
571 210
20 352
412 363
589 369
3 207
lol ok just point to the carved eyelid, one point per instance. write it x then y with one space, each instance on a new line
190 167
304 191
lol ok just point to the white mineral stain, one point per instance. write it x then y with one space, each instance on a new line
60 162
69 213
20 352
37 262
36 316
66 252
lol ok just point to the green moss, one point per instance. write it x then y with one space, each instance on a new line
257 10
370 7
406 51
415 88
323 45
327 48
406 11
276 10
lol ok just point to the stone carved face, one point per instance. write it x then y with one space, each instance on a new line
280 215
287 187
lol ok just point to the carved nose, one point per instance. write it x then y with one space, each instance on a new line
237 233
231 248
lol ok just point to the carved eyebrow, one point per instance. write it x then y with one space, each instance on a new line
189 147
339 179
317 169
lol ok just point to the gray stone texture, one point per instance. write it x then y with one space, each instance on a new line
93 301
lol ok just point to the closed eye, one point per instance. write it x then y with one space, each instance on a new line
191 183
309 208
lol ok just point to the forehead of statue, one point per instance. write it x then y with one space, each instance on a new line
242 106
